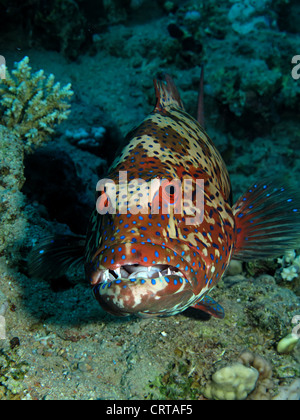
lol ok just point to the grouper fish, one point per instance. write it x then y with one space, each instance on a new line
164 228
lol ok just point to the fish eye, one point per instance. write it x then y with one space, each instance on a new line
170 194
170 190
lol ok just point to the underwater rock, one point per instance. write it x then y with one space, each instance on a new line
235 267
3 309
13 220
289 392
247 16
272 307
3 304
287 344
265 381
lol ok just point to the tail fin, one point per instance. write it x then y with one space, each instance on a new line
54 255
167 94
267 221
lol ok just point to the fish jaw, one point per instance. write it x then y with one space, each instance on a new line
145 297
139 284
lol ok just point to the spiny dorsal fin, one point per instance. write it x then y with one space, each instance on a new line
166 93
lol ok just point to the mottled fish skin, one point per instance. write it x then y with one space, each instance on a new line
168 144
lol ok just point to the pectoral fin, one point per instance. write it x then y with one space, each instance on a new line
210 306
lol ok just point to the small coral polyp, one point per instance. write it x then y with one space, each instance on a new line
32 104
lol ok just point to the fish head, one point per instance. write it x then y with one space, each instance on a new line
144 262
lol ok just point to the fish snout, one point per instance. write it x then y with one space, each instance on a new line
140 280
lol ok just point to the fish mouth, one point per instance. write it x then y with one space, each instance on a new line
136 272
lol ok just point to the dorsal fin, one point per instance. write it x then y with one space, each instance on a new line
167 94
200 110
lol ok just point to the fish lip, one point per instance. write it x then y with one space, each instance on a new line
98 276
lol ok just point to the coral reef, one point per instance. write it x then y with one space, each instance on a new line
252 374
264 368
31 105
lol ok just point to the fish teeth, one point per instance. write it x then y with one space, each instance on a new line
105 275
118 271
123 273
138 274
160 275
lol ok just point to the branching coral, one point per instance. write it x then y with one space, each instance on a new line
31 105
